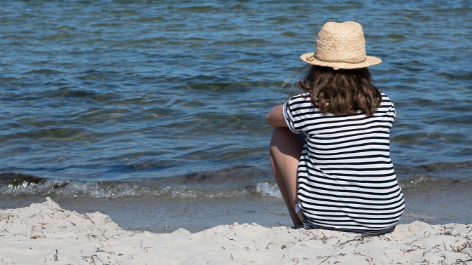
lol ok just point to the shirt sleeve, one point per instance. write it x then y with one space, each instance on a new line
393 113
289 116
390 111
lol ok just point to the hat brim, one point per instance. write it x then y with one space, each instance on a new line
370 60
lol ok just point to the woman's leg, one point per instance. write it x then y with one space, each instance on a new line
285 150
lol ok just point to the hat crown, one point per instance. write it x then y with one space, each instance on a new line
341 42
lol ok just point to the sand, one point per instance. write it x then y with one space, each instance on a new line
43 233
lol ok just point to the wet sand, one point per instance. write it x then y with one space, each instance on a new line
433 205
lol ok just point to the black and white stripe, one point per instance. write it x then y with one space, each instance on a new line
346 178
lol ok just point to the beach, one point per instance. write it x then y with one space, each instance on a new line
44 233
144 122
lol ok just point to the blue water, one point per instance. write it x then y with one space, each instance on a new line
150 91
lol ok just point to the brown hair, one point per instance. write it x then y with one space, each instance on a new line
343 91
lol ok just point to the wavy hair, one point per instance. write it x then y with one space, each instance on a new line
341 92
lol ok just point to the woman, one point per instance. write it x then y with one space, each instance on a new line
330 149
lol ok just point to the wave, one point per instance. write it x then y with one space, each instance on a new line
239 181
227 183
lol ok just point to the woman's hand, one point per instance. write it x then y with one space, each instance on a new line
276 117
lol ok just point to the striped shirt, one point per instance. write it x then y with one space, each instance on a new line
346 178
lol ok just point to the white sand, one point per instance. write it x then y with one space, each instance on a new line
46 234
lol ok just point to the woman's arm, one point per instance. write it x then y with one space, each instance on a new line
276 117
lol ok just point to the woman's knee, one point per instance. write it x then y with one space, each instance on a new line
285 142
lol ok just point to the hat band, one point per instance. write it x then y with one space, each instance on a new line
333 61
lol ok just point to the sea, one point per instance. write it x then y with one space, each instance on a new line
153 112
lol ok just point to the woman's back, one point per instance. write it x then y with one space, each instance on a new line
346 178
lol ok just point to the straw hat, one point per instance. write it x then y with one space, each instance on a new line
341 46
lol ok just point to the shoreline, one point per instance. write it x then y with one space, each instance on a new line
46 233
165 215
